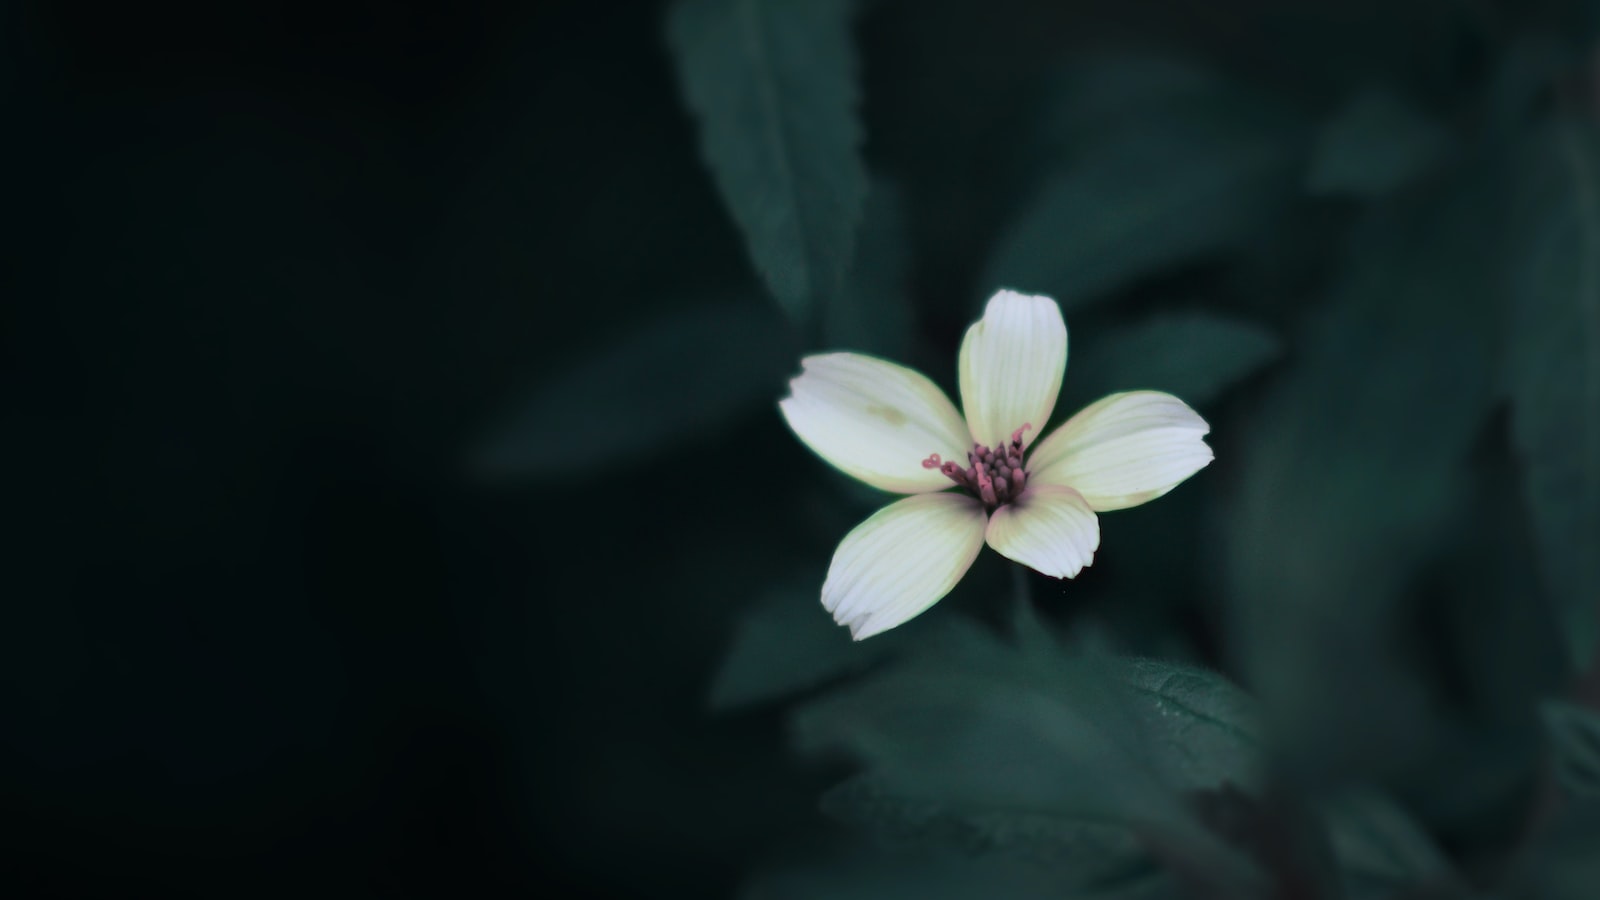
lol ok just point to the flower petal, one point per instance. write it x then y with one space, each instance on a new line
875 420
1012 361
1124 450
902 560
1049 529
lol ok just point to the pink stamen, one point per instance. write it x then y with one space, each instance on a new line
986 487
994 475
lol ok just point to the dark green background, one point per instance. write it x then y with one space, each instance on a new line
399 506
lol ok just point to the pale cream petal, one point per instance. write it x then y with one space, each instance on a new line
1012 361
1049 529
1123 450
902 560
875 420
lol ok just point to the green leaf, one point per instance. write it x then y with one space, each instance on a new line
1150 196
1554 369
772 84
1375 144
1353 465
1036 741
1087 851
673 381
1204 732
1575 743
872 313
1383 852
1194 355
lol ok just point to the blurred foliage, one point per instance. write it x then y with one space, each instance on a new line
1442 305
1575 735
1554 362
1200 353
566 558
722 358
1081 760
1382 851
1123 204
1381 283
1377 143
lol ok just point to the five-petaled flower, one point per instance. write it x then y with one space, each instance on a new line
896 430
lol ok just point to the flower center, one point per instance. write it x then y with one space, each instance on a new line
994 476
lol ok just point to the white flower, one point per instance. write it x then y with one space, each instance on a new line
894 429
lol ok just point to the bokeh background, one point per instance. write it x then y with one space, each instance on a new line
398 504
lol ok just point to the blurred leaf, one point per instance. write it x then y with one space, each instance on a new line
1351 467
1195 355
773 86
1018 735
1381 850
1150 195
1375 144
1105 91
667 383
872 313
1491 648
1575 743
788 643
1561 862
1526 73
1554 369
